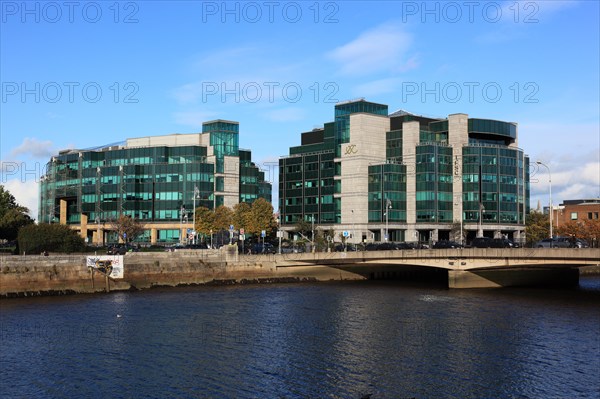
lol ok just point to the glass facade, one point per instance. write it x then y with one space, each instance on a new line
154 184
306 182
485 172
495 177
434 201
387 186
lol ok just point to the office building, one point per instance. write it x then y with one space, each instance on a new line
375 176
152 179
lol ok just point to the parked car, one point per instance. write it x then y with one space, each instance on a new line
201 245
174 247
408 245
580 243
120 249
265 248
487 242
445 244
339 247
387 246
562 242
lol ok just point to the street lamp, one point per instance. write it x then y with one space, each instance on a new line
279 233
480 227
181 217
550 193
388 206
196 194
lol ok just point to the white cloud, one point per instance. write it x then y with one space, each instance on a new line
34 148
26 194
377 87
515 16
382 48
569 181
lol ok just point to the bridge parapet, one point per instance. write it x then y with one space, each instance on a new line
451 259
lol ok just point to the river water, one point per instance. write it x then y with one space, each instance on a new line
326 340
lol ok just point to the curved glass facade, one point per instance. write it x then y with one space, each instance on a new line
154 183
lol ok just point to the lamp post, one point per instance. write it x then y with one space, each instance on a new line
279 230
480 227
181 216
196 193
550 194
388 206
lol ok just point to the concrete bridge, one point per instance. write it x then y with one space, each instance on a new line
463 268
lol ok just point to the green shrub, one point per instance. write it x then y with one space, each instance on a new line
37 238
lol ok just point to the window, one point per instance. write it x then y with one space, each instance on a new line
573 215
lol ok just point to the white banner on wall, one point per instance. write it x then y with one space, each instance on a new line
100 261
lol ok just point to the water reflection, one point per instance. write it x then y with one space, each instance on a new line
339 340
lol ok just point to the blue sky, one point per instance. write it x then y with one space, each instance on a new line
83 74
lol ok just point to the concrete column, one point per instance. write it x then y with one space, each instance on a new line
183 234
458 137
153 235
231 179
84 227
63 212
410 140
366 147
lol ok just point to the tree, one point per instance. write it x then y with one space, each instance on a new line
205 220
34 239
588 229
261 217
241 215
323 237
127 228
303 228
12 216
537 227
223 217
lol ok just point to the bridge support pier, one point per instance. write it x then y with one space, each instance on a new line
512 278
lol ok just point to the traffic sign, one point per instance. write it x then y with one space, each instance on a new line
242 231
346 234
263 234
231 227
